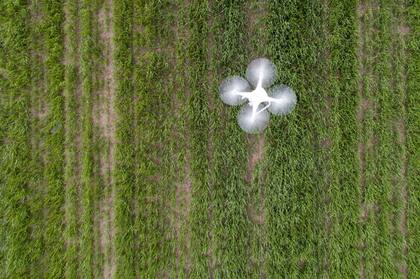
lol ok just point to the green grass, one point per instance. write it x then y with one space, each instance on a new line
180 147
311 165
399 143
413 86
153 190
37 184
124 158
230 223
368 226
345 196
15 250
384 134
198 119
291 197
379 233
71 171
54 140
87 167
335 191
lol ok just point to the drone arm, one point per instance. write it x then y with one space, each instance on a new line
254 111
261 110
259 84
275 100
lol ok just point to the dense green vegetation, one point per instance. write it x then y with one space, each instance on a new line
118 159
38 120
153 147
71 114
15 140
413 86
54 140
198 124
88 182
230 224
124 150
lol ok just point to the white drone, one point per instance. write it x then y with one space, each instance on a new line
261 73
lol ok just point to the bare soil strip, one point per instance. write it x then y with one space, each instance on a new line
183 189
255 156
182 210
105 120
256 12
255 209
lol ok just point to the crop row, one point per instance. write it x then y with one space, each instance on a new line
38 121
382 205
311 161
124 152
384 133
154 186
198 124
413 124
71 173
229 157
344 209
290 191
180 146
54 140
89 182
366 136
15 149
328 136
144 165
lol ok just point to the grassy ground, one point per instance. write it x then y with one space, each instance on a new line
118 159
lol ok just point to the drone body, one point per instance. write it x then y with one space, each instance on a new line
254 117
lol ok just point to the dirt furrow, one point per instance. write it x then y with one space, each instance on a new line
363 106
105 120
182 211
254 175
182 204
400 32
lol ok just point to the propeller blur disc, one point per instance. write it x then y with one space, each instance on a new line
230 87
250 123
285 100
261 70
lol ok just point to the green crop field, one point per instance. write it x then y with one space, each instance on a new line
119 160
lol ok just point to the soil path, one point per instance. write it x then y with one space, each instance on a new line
364 105
105 120
256 11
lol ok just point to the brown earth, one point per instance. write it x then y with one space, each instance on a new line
255 157
106 121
